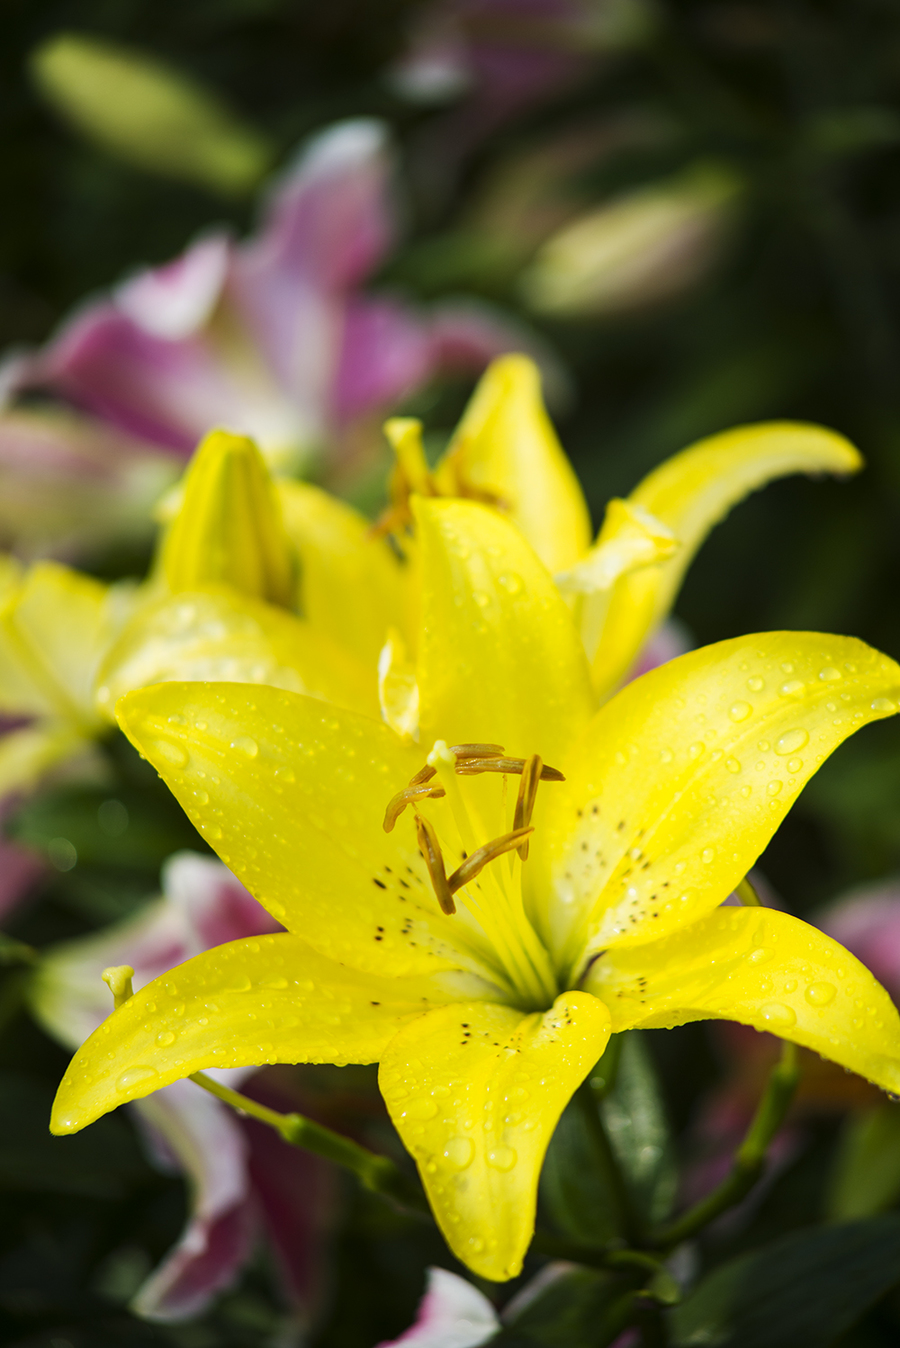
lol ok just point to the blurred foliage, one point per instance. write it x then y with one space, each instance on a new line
795 313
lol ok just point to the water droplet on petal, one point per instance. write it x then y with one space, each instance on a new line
739 711
707 855
884 704
829 674
666 755
135 1076
510 582
165 1039
696 749
792 688
246 745
756 684
774 787
423 1108
820 994
732 765
502 1158
794 764
459 1152
791 741
176 754
779 1016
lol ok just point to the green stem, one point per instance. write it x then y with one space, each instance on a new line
747 894
376 1173
749 1160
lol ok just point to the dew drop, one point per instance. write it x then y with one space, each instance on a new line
791 688
732 765
739 711
696 749
774 787
829 674
884 704
247 745
794 764
510 582
201 797
820 994
666 755
707 855
135 1076
165 1039
422 1108
459 1152
778 1015
502 1158
760 955
791 741
176 754
790 985
756 684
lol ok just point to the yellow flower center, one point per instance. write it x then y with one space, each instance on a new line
496 900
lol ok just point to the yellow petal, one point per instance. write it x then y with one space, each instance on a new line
266 999
26 754
398 690
506 450
765 969
221 635
291 793
229 528
684 776
500 659
690 493
405 436
352 586
475 1092
54 630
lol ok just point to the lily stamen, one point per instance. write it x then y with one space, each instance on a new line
475 864
512 766
532 774
434 861
408 796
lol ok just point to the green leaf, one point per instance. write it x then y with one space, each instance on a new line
866 1175
102 1162
578 1191
576 1309
635 1119
802 1291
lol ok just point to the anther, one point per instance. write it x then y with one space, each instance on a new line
434 861
408 796
531 776
474 864
512 766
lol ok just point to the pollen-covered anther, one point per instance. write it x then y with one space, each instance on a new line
434 861
531 776
476 863
408 796
512 766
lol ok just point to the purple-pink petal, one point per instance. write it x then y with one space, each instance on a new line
175 300
867 922
452 1314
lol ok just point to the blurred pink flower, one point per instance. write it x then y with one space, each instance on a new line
867 922
238 1176
272 336
452 1314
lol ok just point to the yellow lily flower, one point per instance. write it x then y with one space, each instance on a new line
481 944
506 454
55 627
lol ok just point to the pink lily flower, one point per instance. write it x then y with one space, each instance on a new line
867 922
272 336
454 1314
230 1168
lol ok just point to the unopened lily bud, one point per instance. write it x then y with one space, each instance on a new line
229 528
634 251
148 114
